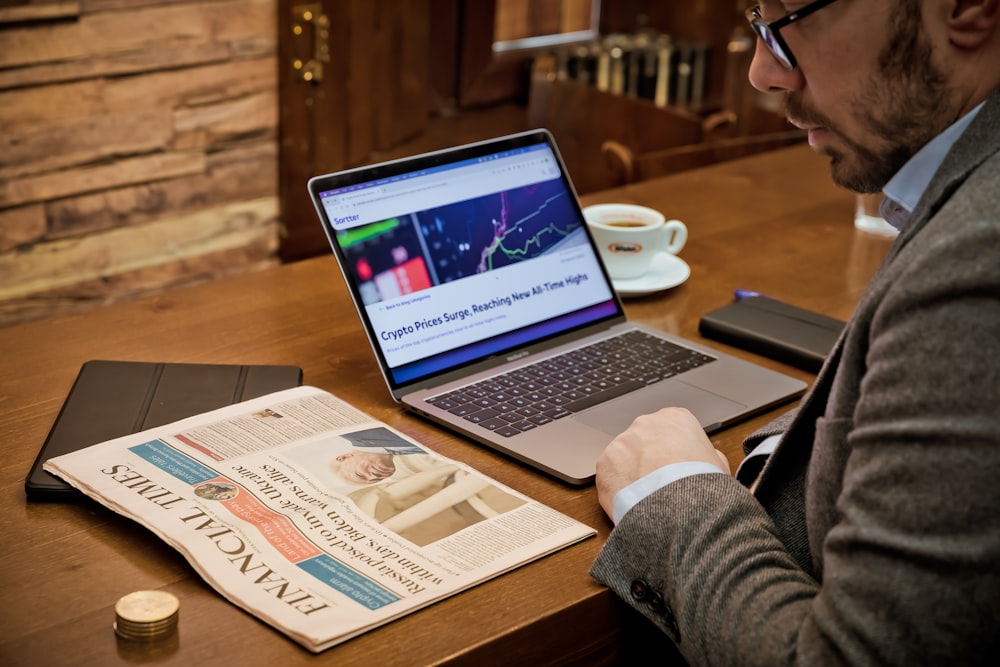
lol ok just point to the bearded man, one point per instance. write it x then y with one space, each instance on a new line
863 527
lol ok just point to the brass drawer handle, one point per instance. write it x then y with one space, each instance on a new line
310 27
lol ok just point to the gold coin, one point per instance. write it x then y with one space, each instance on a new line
147 606
146 615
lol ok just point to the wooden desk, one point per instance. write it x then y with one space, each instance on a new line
772 223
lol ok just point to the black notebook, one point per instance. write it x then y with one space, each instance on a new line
775 329
110 399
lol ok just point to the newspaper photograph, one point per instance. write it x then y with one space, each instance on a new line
313 516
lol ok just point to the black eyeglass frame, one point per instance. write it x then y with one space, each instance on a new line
770 34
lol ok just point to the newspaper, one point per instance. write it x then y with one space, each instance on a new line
313 516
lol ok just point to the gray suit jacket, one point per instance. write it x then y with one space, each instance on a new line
873 537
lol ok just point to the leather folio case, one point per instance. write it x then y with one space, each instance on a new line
110 399
781 331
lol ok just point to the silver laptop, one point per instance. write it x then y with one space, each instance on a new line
489 311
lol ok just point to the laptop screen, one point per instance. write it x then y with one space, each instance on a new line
460 255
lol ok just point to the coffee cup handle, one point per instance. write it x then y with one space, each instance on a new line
673 236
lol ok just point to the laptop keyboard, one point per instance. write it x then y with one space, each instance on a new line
556 387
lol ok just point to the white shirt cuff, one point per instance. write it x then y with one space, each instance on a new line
630 496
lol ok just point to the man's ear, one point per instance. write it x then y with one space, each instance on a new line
972 22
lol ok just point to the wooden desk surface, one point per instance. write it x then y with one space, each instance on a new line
773 223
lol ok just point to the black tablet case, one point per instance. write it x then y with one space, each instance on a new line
772 328
110 399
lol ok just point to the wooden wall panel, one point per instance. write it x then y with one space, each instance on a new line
137 139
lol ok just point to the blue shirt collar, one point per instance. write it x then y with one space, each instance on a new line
908 185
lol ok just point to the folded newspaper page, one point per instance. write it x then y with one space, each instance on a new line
315 517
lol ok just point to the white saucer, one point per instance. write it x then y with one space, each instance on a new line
666 271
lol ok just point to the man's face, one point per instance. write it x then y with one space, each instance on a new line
866 88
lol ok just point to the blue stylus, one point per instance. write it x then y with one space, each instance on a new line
741 294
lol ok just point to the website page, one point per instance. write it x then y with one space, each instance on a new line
439 258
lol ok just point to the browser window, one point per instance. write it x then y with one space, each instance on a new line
437 256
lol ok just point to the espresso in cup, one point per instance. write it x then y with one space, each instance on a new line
629 236
624 223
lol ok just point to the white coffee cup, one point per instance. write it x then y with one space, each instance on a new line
629 236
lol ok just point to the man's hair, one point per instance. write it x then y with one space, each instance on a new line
906 36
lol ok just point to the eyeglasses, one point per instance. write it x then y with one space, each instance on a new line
769 32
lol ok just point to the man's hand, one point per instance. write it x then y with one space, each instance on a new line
672 435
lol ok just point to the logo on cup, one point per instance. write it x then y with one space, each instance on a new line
624 248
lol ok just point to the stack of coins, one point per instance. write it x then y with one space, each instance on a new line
146 615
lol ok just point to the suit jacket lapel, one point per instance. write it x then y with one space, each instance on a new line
975 146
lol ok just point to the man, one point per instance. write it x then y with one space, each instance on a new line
872 534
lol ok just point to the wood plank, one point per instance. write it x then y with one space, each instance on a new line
207 127
178 54
256 254
81 141
233 175
60 263
239 21
229 28
102 33
39 11
193 86
20 226
136 29
51 104
100 177
43 105
110 5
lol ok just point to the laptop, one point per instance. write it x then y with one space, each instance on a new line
489 310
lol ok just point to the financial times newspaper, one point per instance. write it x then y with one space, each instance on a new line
313 516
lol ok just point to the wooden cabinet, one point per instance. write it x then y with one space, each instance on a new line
352 80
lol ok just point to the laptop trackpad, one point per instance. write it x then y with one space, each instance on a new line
615 416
